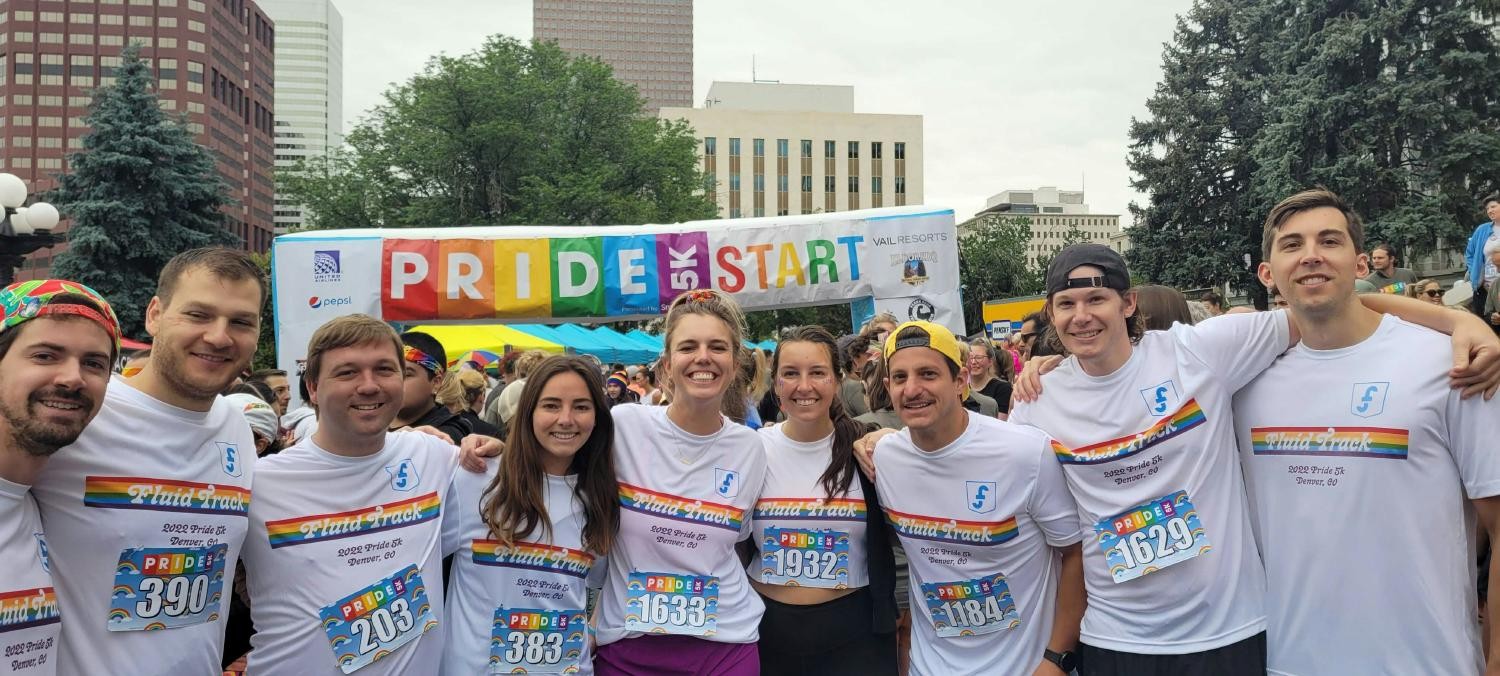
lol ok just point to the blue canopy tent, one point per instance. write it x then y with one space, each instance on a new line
648 339
573 337
768 345
633 351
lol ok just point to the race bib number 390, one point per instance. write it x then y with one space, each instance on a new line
373 622
1151 536
664 603
805 558
167 588
530 641
971 607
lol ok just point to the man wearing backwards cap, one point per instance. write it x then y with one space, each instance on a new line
1147 445
58 343
985 518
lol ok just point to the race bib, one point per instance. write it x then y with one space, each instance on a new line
1151 536
525 640
373 622
805 558
971 607
166 588
664 603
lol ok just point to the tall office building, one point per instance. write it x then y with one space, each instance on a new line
648 42
787 149
212 60
309 88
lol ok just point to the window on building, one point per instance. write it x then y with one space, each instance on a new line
734 146
830 149
854 150
807 147
900 150
781 147
900 185
111 20
875 185
781 182
806 184
875 147
710 146
734 181
760 183
759 147
854 184
81 38
829 184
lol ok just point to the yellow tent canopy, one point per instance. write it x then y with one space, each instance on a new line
460 338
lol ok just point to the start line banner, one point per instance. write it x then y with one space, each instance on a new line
904 258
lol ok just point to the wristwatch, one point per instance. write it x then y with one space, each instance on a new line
1066 660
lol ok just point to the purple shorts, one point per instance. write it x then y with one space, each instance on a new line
676 656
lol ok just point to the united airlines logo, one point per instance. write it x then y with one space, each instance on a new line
1368 399
981 496
326 266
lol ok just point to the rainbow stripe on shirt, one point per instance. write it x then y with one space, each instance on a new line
1169 427
302 530
167 495
668 506
26 608
1352 442
981 533
810 509
533 556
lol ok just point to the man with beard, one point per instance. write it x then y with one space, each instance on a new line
146 511
53 373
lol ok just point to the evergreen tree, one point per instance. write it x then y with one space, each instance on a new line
140 192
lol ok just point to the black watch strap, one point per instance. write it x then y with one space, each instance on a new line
1066 660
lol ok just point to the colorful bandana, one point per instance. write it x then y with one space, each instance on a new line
24 301
424 360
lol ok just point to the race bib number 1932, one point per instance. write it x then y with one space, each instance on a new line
373 622
1151 536
166 588
805 558
665 603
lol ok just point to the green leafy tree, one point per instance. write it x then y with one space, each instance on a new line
509 134
992 264
265 345
1391 104
140 192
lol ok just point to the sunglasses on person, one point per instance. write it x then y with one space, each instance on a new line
1027 337
1433 293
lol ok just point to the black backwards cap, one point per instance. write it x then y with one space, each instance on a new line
1096 255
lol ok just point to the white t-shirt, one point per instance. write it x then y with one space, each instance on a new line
145 515
531 597
684 502
813 540
1361 463
1150 457
343 563
29 619
979 519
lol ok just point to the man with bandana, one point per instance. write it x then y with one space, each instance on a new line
426 365
58 343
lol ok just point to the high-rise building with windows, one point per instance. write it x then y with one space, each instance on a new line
1057 217
807 150
649 43
212 60
309 88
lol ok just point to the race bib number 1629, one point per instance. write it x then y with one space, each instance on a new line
1151 536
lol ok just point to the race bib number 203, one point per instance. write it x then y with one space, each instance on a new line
373 622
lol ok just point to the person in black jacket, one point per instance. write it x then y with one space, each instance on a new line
426 363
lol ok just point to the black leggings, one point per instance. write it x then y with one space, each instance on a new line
1245 658
827 639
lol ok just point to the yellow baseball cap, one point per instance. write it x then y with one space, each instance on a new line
936 336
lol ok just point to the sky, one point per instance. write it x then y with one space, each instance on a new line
1015 95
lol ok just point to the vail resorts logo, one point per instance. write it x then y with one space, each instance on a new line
326 266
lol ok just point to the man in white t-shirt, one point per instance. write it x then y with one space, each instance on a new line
145 512
344 558
990 531
58 342
1365 470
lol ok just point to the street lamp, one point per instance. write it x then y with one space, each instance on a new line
25 229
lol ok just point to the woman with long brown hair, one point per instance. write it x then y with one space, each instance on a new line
676 598
823 555
530 532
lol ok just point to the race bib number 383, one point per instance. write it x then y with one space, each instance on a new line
664 603
167 588
1151 536
530 641
373 622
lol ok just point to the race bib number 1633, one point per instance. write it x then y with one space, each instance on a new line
666 603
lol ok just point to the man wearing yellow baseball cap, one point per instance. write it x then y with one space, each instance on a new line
983 513
58 343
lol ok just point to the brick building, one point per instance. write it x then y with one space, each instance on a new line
213 60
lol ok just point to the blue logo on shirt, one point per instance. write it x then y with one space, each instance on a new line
981 496
230 455
1368 399
726 482
403 475
41 552
1160 398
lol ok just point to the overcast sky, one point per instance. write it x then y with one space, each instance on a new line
1015 95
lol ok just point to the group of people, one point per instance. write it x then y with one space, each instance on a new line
1288 492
